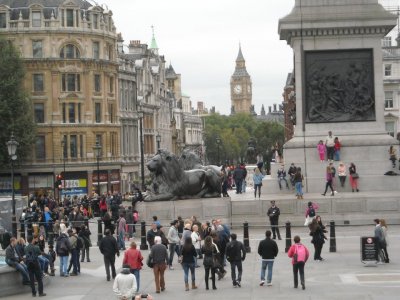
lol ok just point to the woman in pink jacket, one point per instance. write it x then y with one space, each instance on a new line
299 254
321 150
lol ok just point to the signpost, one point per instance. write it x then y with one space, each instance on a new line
369 250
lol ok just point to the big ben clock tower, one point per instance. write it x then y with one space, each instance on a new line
241 89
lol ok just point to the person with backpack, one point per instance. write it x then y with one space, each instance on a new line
63 248
299 254
235 254
32 253
268 250
311 212
76 245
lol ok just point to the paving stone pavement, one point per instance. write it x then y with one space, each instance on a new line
340 276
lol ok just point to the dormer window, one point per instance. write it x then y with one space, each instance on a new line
70 17
95 21
69 51
36 19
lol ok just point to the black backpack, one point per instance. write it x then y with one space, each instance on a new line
311 212
31 260
80 244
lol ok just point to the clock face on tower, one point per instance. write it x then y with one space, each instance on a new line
237 89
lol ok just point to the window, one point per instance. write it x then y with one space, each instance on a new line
388 70
64 113
389 126
40 149
71 112
97 109
81 145
111 112
69 51
3 21
79 113
96 50
70 82
38 85
111 85
70 17
39 112
65 148
389 99
97 83
37 51
73 146
95 21
99 140
36 19
387 41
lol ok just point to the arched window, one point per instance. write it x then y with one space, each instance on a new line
69 51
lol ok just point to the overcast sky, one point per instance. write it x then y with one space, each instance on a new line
201 40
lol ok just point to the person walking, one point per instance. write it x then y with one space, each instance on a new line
109 248
159 255
298 179
385 243
273 214
268 250
63 248
209 249
353 177
121 232
235 254
379 241
329 178
317 231
32 253
133 258
173 242
189 254
257 180
342 174
299 254
125 284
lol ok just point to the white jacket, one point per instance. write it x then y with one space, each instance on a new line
125 286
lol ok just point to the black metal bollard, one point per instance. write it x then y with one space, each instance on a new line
99 231
50 236
246 240
22 230
332 238
143 242
288 237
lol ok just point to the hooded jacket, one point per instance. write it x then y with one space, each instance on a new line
125 285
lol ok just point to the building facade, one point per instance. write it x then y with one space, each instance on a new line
69 51
241 87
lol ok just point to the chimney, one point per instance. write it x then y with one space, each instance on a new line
274 107
133 46
269 109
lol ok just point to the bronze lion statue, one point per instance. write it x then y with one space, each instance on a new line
172 182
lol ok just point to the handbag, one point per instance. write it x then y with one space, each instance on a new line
308 221
149 261
355 175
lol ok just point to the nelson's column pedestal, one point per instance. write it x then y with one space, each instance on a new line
339 88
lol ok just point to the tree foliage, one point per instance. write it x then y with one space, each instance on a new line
15 108
235 133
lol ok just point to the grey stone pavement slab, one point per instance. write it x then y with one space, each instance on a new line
340 276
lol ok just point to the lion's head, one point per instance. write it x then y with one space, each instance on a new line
164 163
189 160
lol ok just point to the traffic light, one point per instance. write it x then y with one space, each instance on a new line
58 182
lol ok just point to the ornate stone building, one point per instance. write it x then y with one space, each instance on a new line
241 87
69 51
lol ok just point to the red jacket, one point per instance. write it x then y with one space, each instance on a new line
301 250
133 258
103 205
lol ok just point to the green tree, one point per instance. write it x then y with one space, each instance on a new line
15 108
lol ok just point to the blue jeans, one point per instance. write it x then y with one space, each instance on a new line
21 268
173 248
186 267
44 264
121 240
63 265
299 189
336 156
264 265
136 272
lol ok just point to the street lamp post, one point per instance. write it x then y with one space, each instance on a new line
218 140
97 153
12 149
63 144
158 139
141 149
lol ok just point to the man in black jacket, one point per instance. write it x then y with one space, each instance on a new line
109 247
235 254
268 250
32 253
273 214
16 262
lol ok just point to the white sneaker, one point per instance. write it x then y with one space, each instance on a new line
171 267
262 282
269 283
